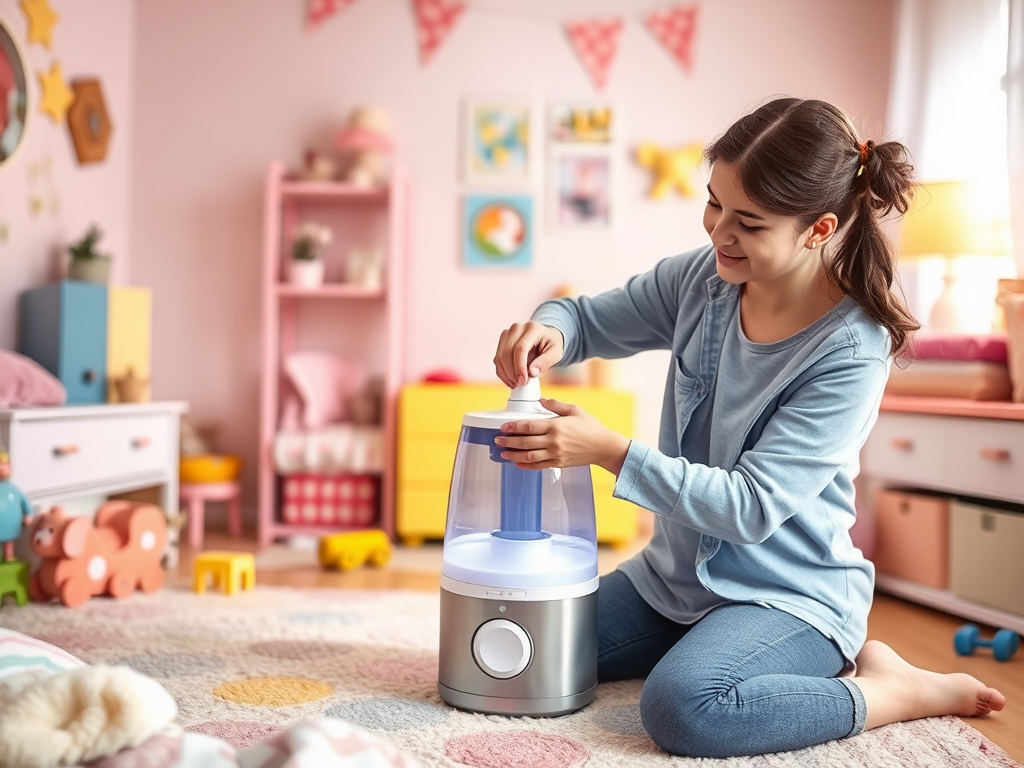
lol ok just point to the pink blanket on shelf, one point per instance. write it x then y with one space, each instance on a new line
951 346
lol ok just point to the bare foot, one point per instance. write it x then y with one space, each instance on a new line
895 690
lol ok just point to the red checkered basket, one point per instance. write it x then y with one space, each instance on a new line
342 500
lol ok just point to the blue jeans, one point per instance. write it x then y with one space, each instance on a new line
744 680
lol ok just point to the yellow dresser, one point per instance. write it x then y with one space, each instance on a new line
129 333
429 422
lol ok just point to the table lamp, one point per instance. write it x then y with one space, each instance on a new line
953 220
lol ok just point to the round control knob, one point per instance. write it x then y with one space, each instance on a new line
502 648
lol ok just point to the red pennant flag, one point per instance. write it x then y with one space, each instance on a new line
435 19
596 43
676 28
319 11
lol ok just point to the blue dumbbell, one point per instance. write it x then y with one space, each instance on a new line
1003 645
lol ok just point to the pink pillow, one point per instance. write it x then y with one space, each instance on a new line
324 384
24 382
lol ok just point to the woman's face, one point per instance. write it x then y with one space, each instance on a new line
751 244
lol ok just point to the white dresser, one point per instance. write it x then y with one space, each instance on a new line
59 453
955 447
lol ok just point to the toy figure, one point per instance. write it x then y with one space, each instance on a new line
15 511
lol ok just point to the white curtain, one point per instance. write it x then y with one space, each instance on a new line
947 105
1013 84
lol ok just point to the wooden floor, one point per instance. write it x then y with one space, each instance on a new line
923 636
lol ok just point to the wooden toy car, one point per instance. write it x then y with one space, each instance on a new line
351 549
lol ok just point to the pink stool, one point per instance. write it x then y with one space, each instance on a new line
195 496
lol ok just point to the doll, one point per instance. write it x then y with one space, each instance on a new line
15 511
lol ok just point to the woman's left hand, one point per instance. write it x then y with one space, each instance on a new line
575 439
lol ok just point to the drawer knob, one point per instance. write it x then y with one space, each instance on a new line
90 376
64 450
902 443
995 454
141 442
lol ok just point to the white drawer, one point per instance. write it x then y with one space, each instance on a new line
986 457
906 448
68 452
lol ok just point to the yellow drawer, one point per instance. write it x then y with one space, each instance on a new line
426 458
439 408
421 512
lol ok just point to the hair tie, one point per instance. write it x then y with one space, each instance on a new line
866 149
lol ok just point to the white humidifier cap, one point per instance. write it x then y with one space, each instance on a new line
523 403
526 397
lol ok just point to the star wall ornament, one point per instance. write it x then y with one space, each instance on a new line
673 169
57 96
41 20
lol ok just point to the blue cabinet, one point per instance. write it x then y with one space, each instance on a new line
64 329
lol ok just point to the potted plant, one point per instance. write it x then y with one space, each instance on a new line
306 267
86 262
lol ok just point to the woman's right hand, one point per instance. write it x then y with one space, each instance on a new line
527 350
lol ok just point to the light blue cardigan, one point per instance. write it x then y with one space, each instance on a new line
775 504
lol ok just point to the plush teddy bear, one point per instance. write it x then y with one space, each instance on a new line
366 143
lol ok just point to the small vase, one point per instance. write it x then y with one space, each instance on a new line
306 273
90 270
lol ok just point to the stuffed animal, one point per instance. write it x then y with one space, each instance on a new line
366 142
118 553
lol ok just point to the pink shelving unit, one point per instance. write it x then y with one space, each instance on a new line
365 323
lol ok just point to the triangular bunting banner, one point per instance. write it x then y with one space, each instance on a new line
596 43
676 28
318 11
434 20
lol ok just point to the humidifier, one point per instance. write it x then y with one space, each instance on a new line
518 577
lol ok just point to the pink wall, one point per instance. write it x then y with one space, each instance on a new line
90 39
222 88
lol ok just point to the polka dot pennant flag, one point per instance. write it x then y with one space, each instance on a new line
434 20
318 11
676 28
596 43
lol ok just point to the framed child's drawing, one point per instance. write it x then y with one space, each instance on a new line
581 150
581 123
497 141
498 231
580 190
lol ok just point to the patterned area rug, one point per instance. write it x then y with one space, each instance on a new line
242 667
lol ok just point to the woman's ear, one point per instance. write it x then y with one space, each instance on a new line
821 231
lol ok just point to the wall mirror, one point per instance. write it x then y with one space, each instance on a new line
13 93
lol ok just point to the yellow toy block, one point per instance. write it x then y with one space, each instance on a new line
350 549
228 571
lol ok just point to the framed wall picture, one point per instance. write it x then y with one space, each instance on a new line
581 192
498 230
14 109
581 176
577 123
497 141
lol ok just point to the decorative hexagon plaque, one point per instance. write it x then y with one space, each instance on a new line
88 121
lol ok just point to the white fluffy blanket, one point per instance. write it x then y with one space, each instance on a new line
77 715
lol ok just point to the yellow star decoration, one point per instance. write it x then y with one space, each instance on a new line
41 19
57 97
672 168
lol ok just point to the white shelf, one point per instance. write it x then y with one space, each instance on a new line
944 600
330 291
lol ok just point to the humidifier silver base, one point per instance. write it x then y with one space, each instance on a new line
521 652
